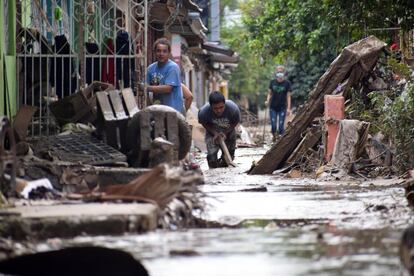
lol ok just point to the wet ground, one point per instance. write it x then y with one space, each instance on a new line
290 227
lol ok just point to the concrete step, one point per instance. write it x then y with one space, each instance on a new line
43 220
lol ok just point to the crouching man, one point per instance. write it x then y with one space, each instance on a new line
219 117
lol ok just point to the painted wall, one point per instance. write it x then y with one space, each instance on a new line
8 92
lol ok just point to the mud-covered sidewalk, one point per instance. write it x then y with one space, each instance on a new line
272 225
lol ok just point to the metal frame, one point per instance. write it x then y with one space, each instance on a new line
44 75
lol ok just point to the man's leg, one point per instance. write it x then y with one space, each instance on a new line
282 116
273 121
212 150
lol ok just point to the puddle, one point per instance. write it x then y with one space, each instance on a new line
295 227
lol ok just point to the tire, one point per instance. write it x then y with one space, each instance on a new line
138 157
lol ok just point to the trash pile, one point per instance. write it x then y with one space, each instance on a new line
106 149
331 136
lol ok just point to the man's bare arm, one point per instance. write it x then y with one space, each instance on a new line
188 96
160 89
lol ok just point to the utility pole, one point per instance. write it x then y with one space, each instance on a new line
215 20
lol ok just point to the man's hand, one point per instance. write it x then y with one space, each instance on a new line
266 103
218 135
289 112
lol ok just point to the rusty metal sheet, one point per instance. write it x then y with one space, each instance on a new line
130 102
22 121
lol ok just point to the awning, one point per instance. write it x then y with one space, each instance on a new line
217 48
216 57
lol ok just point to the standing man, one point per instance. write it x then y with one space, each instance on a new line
219 117
279 102
163 77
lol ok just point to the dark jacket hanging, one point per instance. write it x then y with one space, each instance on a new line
62 76
125 67
92 63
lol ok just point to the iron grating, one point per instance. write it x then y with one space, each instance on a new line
83 148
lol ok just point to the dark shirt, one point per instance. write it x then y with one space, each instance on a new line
279 94
230 116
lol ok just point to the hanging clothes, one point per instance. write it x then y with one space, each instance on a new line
125 66
108 71
92 63
63 75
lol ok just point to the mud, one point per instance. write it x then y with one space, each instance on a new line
295 227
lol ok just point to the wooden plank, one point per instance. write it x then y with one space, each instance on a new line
159 126
145 131
130 102
105 106
361 54
117 105
226 153
173 132
308 142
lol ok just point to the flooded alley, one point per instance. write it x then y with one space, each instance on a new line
206 138
293 227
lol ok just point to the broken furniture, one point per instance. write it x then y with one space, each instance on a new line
115 109
79 107
153 122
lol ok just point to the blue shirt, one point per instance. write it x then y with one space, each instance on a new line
168 74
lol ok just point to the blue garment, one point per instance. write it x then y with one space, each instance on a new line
168 74
274 115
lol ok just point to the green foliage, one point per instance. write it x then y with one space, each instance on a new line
309 34
252 74
391 113
400 125
401 69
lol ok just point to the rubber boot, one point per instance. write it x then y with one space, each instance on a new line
212 161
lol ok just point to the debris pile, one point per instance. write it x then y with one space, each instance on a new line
324 146
108 150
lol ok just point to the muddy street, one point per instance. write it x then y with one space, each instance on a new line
287 227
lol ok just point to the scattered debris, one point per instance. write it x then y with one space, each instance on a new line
36 189
409 188
355 62
350 144
406 249
255 189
